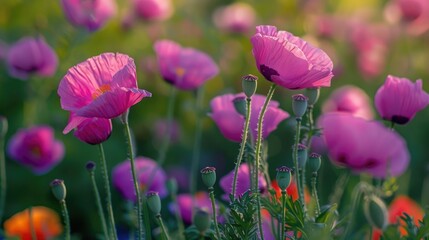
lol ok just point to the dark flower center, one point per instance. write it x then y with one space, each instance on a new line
399 119
267 72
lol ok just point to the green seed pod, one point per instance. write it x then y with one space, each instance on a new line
283 177
299 105
154 202
202 220
302 155
249 84
314 162
375 212
313 95
59 189
208 174
240 105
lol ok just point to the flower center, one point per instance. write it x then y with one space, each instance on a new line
102 89
180 72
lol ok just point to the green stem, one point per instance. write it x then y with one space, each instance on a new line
282 233
310 126
179 220
212 198
243 144
32 230
257 157
357 192
3 185
99 205
108 199
66 219
163 229
315 195
136 182
197 145
295 162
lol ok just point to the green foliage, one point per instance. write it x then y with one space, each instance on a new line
192 233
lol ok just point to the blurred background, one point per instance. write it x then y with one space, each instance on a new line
367 40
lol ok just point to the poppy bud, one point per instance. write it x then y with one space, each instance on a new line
58 189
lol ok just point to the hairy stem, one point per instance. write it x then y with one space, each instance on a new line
314 194
212 198
99 205
163 229
66 219
295 162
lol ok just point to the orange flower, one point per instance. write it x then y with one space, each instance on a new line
292 190
402 204
46 223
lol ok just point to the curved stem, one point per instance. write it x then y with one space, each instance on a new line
135 182
315 195
66 219
163 229
310 125
257 156
282 233
108 199
212 198
295 162
99 205
243 145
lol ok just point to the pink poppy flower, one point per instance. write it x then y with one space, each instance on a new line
398 99
123 181
91 14
243 182
230 122
31 55
153 10
349 99
238 17
414 13
185 68
90 130
364 146
36 148
184 201
289 61
104 86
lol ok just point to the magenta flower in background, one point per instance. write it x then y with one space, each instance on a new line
201 201
153 10
349 99
185 68
230 122
398 99
415 13
123 181
31 56
238 17
91 14
104 86
290 61
36 148
243 182
364 146
90 130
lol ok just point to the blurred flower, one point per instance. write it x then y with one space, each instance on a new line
318 145
36 148
90 130
238 17
415 13
46 223
230 122
145 169
349 99
31 55
290 61
180 174
243 182
400 205
91 14
398 99
185 68
268 223
104 86
291 191
185 203
364 146
153 10
161 127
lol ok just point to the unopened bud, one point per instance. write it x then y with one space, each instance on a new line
299 105
172 186
249 83
59 189
283 177
375 212
313 95
202 220
90 166
208 174
154 202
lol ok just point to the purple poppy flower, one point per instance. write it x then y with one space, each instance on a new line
289 61
153 10
123 181
36 148
185 68
399 99
243 181
31 56
91 14
104 86
185 203
90 130
231 123
238 17
349 99
364 146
